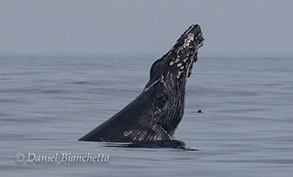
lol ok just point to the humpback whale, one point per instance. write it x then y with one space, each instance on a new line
154 115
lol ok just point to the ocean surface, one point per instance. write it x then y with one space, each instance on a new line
48 102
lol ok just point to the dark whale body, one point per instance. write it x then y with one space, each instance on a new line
155 114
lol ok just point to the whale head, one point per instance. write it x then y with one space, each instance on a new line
168 78
152 118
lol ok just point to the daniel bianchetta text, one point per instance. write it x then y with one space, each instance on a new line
61 157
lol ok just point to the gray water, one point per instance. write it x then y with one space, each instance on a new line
246 128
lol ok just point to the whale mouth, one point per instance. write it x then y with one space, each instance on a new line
193 60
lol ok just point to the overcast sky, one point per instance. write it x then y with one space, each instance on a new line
230 27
